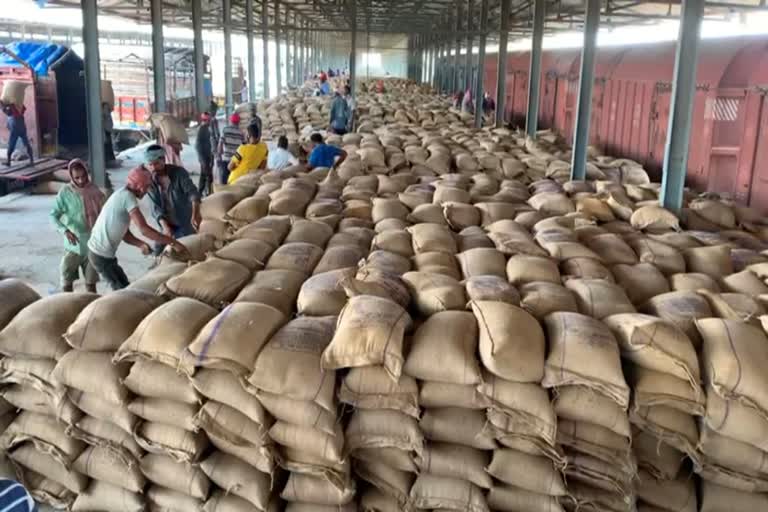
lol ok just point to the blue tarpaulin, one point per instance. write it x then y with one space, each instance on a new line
41 56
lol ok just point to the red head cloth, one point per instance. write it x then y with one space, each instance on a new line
139 179
234 119
205 116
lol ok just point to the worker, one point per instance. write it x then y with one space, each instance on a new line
380 87
325 87
339 115
204 147
113 227
231 139
279 157
324 155
106 120
466 104
250 156
489 105
74 213
174 198
352 106
17 129
215 132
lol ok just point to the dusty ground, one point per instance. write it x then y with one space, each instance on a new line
30 247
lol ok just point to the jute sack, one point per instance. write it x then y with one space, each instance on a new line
289 364
528 472
432 292
252 254
511 341
297 256
655 344
735 306
105 496
641 281
493 211
324 207
156 380
101 409
745 282
612 249
583 496
678 494
715 261
246 211
40 462
214 281
30 399
665 257
15 296
443 349
298 412
563 251
541 298
289 202
595 208
369 331
232 339
396 241
747 482
735 420
437 492
339 257
583 351
482 261
655 388
491 288
555 203
179 444
669 425
13 92
715 212
732 454
371 387
444 394
473 237
393 482
522 269
238 478
388 209
152 280
585 268
718 498
372 500
43 489
659 459
33 373
457 426
179 476
37 330
506 498
456 461
460 215
581 404
198 246
312 489
166 332
370 428
226 422
106 322
77 368
222 386
681 308
45 433
271 230
217 205
221 501
98 463
389 262
276 288
163 498
393 457
309 441
427 214
169 412
97 432
432 238
600 474
654 218
734 356
599 298
312 232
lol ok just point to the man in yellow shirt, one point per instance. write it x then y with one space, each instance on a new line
250 156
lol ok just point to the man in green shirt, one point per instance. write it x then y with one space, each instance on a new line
74 213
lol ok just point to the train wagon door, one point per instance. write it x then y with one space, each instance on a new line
727 114
758 193
662 95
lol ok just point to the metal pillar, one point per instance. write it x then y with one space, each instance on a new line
470 41
93 94
158 56
197 29
264 46
228 99
288 78
479 85
251 65
304 53
534 75
681 106
455 75
353 52
586 80
278 52
501 79
295 61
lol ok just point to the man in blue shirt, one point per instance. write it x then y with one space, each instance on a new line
324 155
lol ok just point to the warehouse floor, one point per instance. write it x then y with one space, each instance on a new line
31 249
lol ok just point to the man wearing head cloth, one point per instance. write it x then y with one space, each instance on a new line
175 199
112 227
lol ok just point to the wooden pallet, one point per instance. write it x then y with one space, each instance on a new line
24 171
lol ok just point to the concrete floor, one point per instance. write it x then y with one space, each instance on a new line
30 247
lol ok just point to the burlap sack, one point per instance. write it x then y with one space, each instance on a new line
432 292
289 364
238 478
310 441
511 341
271 229
388 209
179 444
45 433
246 211
156 380
14 91
163 498
371 387
732 454
666 258
15 296
595 208
94 405
298 412
457 426
218 204
734 355
734 306
105 496
541 298
444 394
693 281
522 269
396 241
276 288
450 194
178 476
252 254
38 329
222 386
714 261
98 463
745 282
43 489
482 261
158 276
655 388
97 432
297 256
32 373
384 261
312 232
323 294
582 404
602 475
612 249
659 459
456 461
735 420
585 268
554 203
372 500
491 288
340 257
427 214
432 238
392 481
583 351
599 298
715 212
681 308
654 218
718 498
311 489
221 501
437 492
76 369
369 331
674 427
370 428
169 412
528 472
222 421
505 498
214 281
641 281
40 462
517 241
166 332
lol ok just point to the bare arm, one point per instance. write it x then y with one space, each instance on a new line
131 239
342 157
138 220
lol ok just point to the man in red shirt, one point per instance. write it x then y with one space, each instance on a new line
17 129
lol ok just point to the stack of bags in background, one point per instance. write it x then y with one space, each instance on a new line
36 440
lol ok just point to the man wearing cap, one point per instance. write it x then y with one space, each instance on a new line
204 147
231 139
112 227
175 199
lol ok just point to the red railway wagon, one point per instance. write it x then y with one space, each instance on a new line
630 108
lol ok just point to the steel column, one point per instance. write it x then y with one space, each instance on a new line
534 75
197 30
501 79
455 75
93 94
158 56
681 105
251 64
295 62
586 81
288 79
228 99
278 52
479 85
470 41
265 47
353 52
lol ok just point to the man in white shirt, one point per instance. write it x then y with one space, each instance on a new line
279 157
